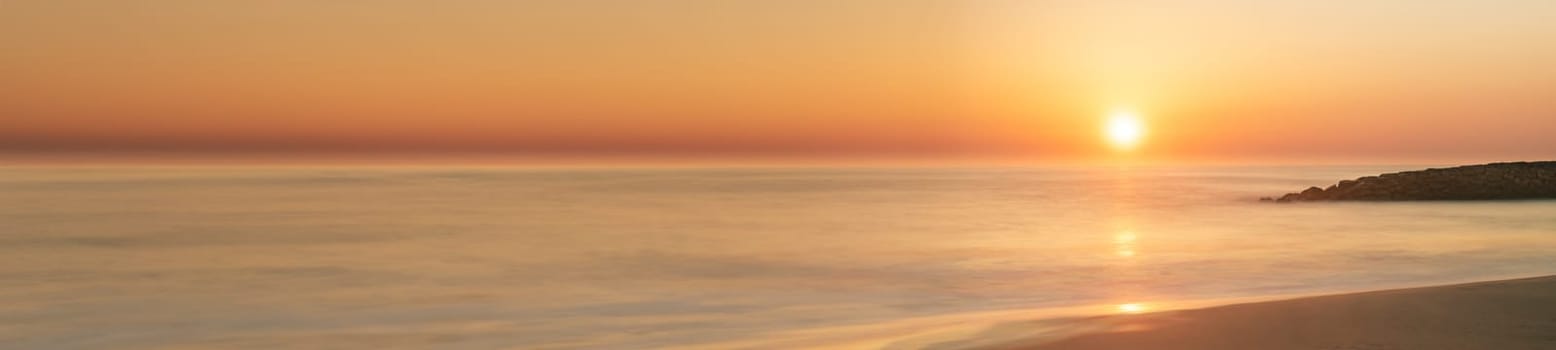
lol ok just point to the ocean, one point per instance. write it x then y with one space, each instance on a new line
131 257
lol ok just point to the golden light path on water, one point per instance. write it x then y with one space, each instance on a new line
1124 130
1131 308
1124 242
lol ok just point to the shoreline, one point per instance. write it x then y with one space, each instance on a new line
1049 328
1499 314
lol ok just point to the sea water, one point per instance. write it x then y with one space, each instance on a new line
514 257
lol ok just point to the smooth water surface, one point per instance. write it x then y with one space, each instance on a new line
256 257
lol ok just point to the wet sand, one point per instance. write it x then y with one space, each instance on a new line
1508 314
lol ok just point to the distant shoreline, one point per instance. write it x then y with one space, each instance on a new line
1503 314
1493 181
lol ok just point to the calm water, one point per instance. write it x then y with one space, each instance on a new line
250 257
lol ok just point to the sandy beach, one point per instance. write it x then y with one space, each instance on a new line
1507 314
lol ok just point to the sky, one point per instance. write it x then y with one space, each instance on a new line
737 79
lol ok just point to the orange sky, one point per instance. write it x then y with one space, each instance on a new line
809 78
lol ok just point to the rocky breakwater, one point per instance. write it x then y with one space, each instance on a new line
1517 180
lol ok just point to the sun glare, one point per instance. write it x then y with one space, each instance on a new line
1124 130
1131 308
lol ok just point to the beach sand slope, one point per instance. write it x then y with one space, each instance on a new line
1505 315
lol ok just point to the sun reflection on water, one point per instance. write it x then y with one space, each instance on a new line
1124 244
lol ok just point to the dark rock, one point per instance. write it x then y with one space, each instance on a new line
1517 180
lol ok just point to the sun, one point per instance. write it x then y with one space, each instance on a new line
1123 130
